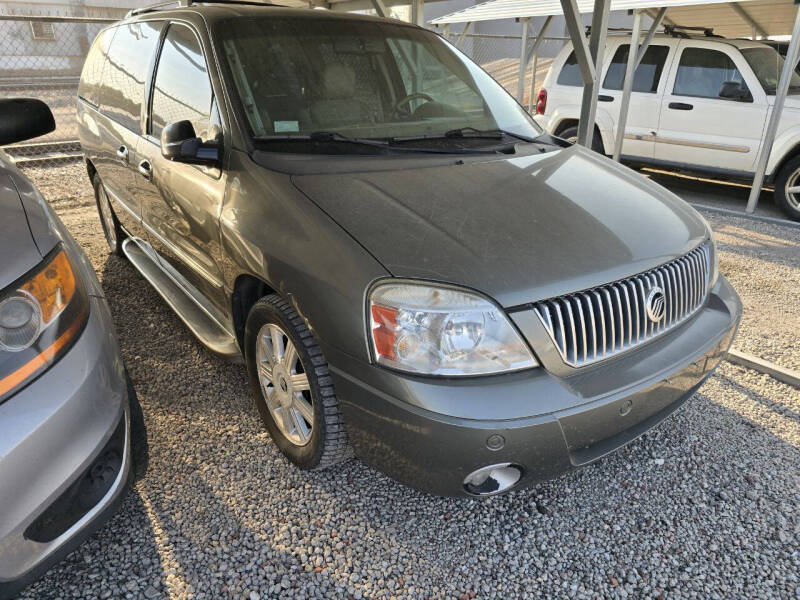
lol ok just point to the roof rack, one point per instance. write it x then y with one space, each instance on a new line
679 31
184 3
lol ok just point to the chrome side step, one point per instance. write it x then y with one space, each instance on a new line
210 332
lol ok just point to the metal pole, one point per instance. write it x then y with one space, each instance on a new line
627 88
418 12
657 20
597 46
447 31
535 55
463 34
792 55
380 8
523 55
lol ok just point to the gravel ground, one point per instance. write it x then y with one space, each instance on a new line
704 506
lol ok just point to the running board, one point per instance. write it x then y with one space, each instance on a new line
212 335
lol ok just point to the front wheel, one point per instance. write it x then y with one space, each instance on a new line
571 135
292 386
787 189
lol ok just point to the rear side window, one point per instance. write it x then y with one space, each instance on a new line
92 74
570 72
182 90
126 70
647 75
702 72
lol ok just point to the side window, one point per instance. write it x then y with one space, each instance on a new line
702 72
92 74
570 72
129 56
182 89
647 75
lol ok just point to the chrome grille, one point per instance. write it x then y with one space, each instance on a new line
595 324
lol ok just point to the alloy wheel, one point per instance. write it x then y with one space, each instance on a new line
793 190
284 384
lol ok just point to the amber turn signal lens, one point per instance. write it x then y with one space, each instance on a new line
53 287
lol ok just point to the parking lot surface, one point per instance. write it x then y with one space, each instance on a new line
705 506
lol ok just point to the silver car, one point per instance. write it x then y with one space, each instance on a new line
68 414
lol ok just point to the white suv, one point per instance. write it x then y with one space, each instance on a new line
700 104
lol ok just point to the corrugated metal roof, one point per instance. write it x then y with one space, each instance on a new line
774 16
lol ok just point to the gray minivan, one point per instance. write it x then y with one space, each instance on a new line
410 269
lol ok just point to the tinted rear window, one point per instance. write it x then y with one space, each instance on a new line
648 73
92 74
570 72
126 69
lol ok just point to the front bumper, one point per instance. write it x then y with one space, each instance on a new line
432 433
51 432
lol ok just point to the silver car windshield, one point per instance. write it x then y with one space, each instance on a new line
767 65
365 80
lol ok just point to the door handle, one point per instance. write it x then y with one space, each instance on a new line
122 153
680 106
146 170
604 98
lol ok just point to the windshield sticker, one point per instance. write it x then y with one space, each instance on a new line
287 126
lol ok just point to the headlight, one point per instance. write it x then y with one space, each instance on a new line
40 317
440 330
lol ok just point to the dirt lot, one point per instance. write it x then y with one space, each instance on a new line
705 506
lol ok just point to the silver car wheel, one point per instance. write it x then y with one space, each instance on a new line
284 384
107 216
792 190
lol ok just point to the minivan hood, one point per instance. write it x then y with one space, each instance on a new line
519 228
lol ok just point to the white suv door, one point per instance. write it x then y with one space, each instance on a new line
648 87
697 126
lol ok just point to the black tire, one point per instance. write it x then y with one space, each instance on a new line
572 132
114 242
140 450
328 444
789 204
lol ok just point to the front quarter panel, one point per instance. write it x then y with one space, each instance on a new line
270 230
787 140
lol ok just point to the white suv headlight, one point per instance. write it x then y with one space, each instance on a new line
440 330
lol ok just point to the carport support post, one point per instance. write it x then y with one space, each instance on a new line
792 55
523 56
535 56
597 47
590 59
627 87
635 56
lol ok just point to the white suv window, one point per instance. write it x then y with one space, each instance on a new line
648 73
702 73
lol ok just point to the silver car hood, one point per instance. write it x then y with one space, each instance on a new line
18 250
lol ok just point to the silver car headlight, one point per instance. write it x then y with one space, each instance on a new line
441 330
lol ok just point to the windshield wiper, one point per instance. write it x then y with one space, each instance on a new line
332 136
320 136
464 133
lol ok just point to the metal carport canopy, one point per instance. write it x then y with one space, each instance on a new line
774 17
733 19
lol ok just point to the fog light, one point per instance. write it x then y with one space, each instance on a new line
494 479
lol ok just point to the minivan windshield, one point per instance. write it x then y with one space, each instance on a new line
767 65
373 83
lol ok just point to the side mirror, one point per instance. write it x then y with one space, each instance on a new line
24 118
180 143
734 90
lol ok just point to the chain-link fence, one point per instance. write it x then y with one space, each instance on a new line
41 57
499 55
